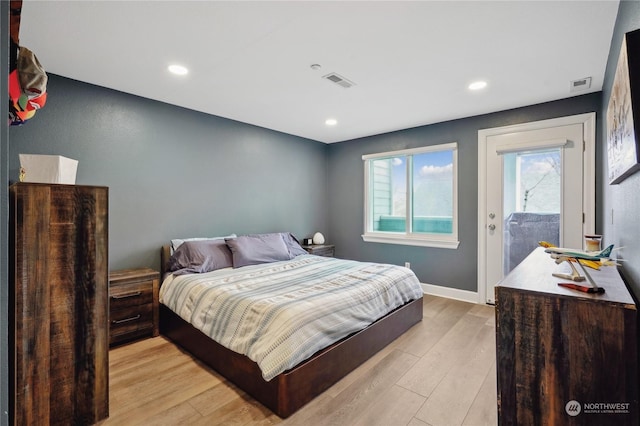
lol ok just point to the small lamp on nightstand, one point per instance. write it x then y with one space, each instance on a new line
318 238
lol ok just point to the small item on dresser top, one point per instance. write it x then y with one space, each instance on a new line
560 254
592 288
48 169
574 276
582 288
591 281
592 242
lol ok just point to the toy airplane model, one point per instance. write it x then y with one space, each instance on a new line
592 259
568 255
596 256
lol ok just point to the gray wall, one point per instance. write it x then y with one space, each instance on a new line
622 227
444 267
175 173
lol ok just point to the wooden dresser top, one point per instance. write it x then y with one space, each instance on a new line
534 274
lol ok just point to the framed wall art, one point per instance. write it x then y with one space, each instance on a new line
623 112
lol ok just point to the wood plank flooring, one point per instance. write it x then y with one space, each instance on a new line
440 372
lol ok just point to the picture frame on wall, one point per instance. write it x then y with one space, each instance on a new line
623 112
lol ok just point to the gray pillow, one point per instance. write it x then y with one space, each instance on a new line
255 249
195 257
176 242
293 245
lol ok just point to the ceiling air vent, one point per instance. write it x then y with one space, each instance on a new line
339 80
580 85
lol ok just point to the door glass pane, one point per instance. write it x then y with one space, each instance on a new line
432 193
388 192
532 202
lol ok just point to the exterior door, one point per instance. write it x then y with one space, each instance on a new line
537 185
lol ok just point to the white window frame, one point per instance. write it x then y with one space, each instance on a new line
409 238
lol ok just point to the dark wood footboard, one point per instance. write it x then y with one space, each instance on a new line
289 391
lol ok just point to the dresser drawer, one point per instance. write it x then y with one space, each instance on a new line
130 322
131 294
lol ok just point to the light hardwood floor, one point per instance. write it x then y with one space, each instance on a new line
440 372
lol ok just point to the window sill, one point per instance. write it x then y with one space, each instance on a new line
411 241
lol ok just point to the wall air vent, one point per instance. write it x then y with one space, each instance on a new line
339 80
580 85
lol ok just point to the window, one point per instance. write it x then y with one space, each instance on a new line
411 196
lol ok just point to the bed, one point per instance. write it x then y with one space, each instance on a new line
281 387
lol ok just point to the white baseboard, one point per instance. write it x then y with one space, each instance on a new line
450 293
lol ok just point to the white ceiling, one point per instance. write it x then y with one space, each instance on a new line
411 62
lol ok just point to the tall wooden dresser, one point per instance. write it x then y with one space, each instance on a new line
59 278
565 357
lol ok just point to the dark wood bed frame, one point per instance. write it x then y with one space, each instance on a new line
289 391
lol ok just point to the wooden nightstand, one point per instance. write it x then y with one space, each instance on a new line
327 250
133 304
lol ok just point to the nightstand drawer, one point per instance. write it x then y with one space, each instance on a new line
124 295
128 321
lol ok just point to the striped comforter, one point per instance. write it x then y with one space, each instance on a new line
279 314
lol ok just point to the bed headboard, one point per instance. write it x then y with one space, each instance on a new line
165 254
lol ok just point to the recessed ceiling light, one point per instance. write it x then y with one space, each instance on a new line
477 85
178 69
331 122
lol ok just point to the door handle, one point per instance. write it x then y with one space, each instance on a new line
492 227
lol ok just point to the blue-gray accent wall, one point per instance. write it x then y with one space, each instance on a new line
174 172
444 267
620 205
